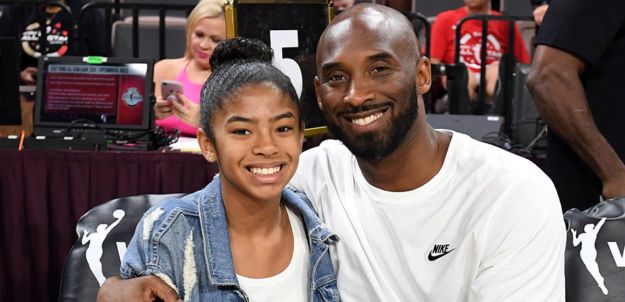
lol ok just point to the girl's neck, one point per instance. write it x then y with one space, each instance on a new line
251 218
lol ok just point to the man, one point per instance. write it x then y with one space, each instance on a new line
22 22
423 215
443 44
576 81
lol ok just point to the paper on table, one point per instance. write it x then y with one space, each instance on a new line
186 144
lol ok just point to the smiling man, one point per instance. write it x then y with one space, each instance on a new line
422 214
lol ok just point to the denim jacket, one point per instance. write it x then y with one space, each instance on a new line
185 242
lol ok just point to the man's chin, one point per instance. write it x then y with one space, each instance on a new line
369 146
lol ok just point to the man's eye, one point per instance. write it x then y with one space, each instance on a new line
336 77
241 132
378 69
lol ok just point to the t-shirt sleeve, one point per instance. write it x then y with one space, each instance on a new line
523 256
581 27
438 43
520 51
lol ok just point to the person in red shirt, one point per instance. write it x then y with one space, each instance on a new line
443 47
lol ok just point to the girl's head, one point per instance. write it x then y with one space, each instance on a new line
250 120
205 28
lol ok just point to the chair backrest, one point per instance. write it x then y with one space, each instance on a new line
149 37
595 258
103 235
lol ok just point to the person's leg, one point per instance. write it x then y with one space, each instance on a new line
492 75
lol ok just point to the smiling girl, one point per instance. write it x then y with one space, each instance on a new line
243 237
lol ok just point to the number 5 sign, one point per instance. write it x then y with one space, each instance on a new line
292 29
284 39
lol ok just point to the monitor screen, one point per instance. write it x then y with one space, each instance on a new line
111 93
9 81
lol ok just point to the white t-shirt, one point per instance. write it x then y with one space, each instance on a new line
487 227
290 284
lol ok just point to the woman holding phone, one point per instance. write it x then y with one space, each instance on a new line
205 28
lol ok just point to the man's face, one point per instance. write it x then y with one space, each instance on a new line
366 87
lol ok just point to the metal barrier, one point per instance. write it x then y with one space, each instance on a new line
112 13
511 34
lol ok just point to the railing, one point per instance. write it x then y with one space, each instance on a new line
112 13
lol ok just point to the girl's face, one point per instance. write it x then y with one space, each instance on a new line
258 140
204 37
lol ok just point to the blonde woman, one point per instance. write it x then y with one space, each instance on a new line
205 28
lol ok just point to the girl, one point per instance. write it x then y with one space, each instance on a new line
205 28
243 237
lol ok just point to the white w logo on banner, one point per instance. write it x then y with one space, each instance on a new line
588 252
94 251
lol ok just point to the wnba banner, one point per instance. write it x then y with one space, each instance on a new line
595 253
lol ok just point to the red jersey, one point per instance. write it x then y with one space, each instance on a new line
443 37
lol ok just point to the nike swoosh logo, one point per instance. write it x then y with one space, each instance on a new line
434 257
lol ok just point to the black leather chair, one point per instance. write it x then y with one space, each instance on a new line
103 235
595 255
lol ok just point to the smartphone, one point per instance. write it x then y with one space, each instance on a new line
169 90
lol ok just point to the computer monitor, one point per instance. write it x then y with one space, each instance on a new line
93 96
10 113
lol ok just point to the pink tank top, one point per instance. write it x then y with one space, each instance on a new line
192 92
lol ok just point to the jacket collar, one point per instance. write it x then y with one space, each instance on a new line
215 230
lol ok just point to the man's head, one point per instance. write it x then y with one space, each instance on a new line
477 4
369 77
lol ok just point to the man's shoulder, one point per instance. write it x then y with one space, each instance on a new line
330 149
500 162
451 15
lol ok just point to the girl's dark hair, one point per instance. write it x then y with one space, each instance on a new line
237 63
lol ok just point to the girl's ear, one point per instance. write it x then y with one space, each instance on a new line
207 146
302 130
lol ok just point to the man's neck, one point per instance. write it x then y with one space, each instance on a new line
482 10
417 160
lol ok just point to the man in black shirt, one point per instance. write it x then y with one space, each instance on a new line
577 83
22 22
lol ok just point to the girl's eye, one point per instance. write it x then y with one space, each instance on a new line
284 129
241 132
199 34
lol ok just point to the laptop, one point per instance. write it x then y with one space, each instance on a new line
479 127
93 97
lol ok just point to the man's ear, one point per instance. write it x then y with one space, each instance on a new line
424 76
317 93
207 146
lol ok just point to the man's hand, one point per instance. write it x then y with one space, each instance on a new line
27 76
539 13
146 288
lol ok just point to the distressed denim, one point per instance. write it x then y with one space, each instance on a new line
185 242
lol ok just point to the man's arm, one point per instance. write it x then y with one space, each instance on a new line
561 101
146 288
